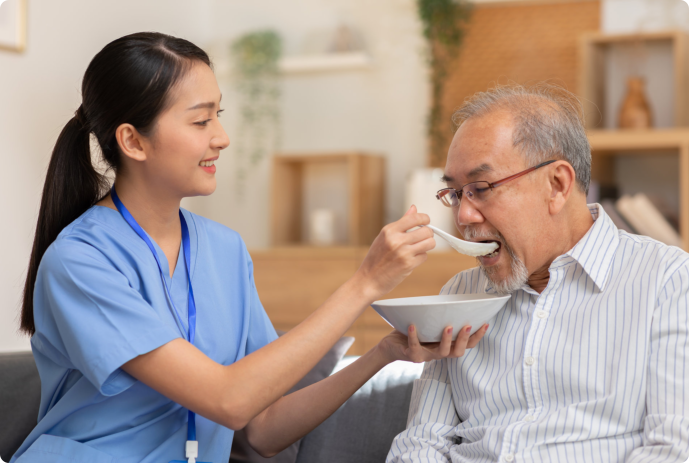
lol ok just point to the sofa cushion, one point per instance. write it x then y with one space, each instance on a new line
362 429
20 397
242 451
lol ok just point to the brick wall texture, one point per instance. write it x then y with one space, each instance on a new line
523 43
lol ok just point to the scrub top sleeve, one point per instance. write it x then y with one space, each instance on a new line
86 309
261 330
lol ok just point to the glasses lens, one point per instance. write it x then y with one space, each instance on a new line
448 197
477 191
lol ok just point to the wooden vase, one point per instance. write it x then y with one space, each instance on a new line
635 112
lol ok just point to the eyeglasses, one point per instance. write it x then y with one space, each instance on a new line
477 192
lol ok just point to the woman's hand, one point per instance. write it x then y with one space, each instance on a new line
394 254
397 346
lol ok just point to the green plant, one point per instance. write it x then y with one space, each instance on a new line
256 75
443 22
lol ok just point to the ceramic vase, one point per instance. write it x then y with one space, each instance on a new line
636 112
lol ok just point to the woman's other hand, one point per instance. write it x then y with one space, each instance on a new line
395 253
397 346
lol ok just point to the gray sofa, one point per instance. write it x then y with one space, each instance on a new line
360 431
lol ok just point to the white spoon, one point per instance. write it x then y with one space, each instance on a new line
465 247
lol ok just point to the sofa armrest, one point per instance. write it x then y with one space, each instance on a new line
20 397
362 429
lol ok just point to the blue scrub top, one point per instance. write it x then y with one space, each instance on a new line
99 302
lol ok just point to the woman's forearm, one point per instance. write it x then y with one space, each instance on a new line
295 415
233 395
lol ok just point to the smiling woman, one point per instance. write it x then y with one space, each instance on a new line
146 326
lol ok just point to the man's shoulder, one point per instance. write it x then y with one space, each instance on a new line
472 280
641 249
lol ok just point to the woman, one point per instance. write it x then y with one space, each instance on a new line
133 367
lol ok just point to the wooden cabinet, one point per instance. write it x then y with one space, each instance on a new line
595 53
292 282
606 144
362 181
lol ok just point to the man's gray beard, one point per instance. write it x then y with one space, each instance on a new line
518 276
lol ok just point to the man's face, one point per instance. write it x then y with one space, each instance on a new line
514 214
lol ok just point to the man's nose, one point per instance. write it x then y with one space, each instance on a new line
468 214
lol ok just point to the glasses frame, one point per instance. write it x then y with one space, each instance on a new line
441 193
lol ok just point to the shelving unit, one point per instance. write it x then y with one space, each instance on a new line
606 144
362 177
593 52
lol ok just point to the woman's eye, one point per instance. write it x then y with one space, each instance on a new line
220 111
203 123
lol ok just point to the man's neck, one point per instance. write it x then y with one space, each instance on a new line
570 233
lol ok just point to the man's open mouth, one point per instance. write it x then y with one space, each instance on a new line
494 253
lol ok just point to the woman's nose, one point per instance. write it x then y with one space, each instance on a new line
221 141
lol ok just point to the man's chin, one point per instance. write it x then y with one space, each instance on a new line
505 277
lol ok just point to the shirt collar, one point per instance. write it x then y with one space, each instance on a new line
596 250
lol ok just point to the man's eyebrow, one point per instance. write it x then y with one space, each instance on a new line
483 168
209 105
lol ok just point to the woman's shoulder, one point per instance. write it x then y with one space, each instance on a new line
215 232
98 233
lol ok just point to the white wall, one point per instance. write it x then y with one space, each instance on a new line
381 110
39 91
622 16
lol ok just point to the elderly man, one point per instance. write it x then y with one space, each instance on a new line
589 359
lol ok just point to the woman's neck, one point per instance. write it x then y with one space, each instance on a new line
155 212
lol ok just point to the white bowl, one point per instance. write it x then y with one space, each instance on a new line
431 314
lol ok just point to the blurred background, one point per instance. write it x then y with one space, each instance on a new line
339 113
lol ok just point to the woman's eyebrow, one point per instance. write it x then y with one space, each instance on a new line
209 105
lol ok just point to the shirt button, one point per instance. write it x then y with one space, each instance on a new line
509 457
530 361
529 418
541 314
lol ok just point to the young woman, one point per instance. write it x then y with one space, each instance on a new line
148 334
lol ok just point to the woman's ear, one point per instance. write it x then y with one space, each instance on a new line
562 184
131 142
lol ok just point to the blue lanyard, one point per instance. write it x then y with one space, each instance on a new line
191 427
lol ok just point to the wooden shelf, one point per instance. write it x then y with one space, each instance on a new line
326 62
593 48
292 282
363 177
606 144
621 141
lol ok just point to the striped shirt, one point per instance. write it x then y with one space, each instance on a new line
595 368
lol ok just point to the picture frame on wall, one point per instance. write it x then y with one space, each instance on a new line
13 19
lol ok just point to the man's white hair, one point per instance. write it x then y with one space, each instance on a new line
548 123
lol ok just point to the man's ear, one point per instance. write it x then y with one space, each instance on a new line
131 142
563 181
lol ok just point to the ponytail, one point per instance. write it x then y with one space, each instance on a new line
72 186
128 81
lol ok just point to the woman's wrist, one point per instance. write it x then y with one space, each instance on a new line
365 289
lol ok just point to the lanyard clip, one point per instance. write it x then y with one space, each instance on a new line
192 450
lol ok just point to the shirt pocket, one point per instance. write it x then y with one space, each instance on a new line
54 449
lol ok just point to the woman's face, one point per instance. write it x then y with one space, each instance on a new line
187 138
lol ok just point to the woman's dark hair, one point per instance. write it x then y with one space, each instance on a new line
128 81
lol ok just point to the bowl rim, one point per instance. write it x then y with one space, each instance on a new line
398 302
